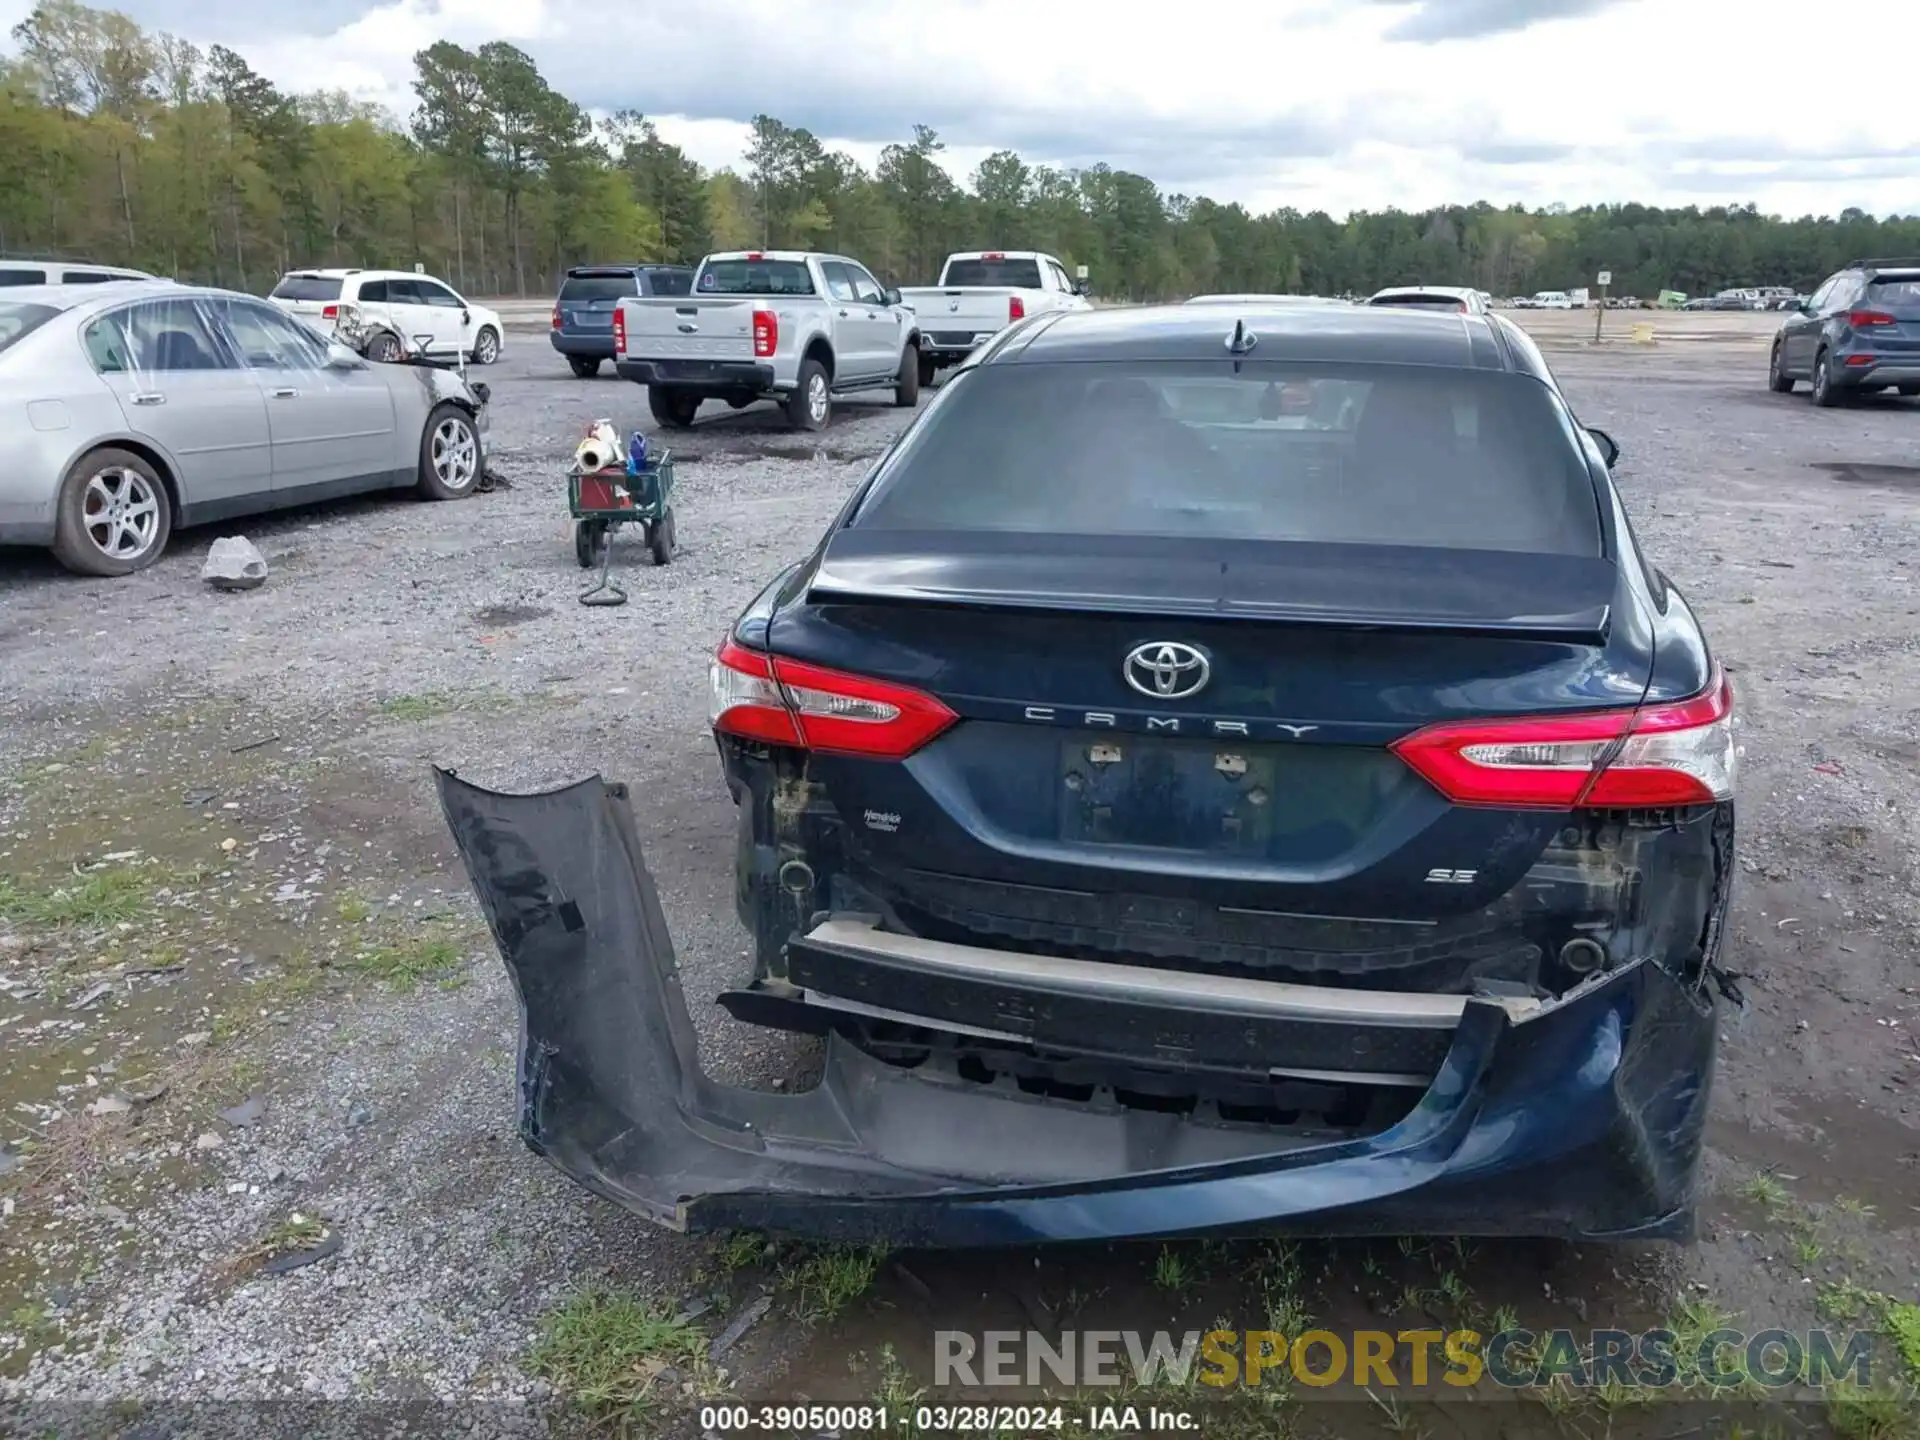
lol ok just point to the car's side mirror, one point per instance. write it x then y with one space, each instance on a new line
1081 287
466 316
893 296
343 357
1609 450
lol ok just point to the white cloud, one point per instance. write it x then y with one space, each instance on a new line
1308 103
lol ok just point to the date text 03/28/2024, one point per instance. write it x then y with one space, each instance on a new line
937 1419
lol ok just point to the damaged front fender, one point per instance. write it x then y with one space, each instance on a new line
611 1092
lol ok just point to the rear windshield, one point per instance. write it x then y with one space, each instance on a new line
1380 455
756 277
992 274
670 282
307 287
607 285
18 320
1420 302
1899 291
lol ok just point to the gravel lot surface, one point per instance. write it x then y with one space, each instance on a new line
266 1019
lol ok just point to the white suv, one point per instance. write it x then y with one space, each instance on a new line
394 308
63 272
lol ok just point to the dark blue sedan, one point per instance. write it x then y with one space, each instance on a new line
1219 771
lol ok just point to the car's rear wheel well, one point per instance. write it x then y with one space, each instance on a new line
153 458
819 349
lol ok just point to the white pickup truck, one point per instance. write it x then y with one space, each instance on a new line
984 291
791 326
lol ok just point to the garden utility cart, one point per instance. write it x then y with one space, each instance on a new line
601 500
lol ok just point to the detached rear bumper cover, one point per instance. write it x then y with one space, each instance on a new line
1578 1118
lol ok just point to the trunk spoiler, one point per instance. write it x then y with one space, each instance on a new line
1378 587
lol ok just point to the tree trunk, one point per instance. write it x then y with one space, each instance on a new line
519 260
126 200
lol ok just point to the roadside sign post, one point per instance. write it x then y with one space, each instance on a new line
1603 279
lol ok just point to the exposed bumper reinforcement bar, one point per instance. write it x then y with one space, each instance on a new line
1528 1127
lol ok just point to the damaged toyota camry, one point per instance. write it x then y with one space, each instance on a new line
1217 772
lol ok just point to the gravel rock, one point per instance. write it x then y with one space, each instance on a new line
233 563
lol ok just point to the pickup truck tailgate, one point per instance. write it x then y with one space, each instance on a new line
962 317
685 328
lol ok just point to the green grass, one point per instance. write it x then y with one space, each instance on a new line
1887 1412
1766 1192
738 1251
414 708
404 964
606 1349
1901 1321
93 901
295 1233
827 1281
1170 1270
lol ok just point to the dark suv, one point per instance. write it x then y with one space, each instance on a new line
583 313
1857 334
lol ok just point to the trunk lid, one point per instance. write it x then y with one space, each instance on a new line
588 298
1895 295
1269 790
592 316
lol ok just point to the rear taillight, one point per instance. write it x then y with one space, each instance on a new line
619 333
329 312
1864 319
556 317
1016 309
808 707
766 333
1657 755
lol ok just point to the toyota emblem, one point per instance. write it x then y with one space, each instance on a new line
1167 669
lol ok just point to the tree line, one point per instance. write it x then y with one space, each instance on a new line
129 147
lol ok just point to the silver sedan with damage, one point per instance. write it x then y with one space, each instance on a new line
129 409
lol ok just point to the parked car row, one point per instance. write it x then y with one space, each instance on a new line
798 327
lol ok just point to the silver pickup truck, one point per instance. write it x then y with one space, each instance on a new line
790 326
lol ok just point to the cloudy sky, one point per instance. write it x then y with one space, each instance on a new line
1333 104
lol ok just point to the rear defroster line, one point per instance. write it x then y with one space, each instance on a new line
612 1094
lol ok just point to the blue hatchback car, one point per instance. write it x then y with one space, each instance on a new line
583 312
1224 768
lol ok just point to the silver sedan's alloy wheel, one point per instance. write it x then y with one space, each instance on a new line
456 454
817 398
120 513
